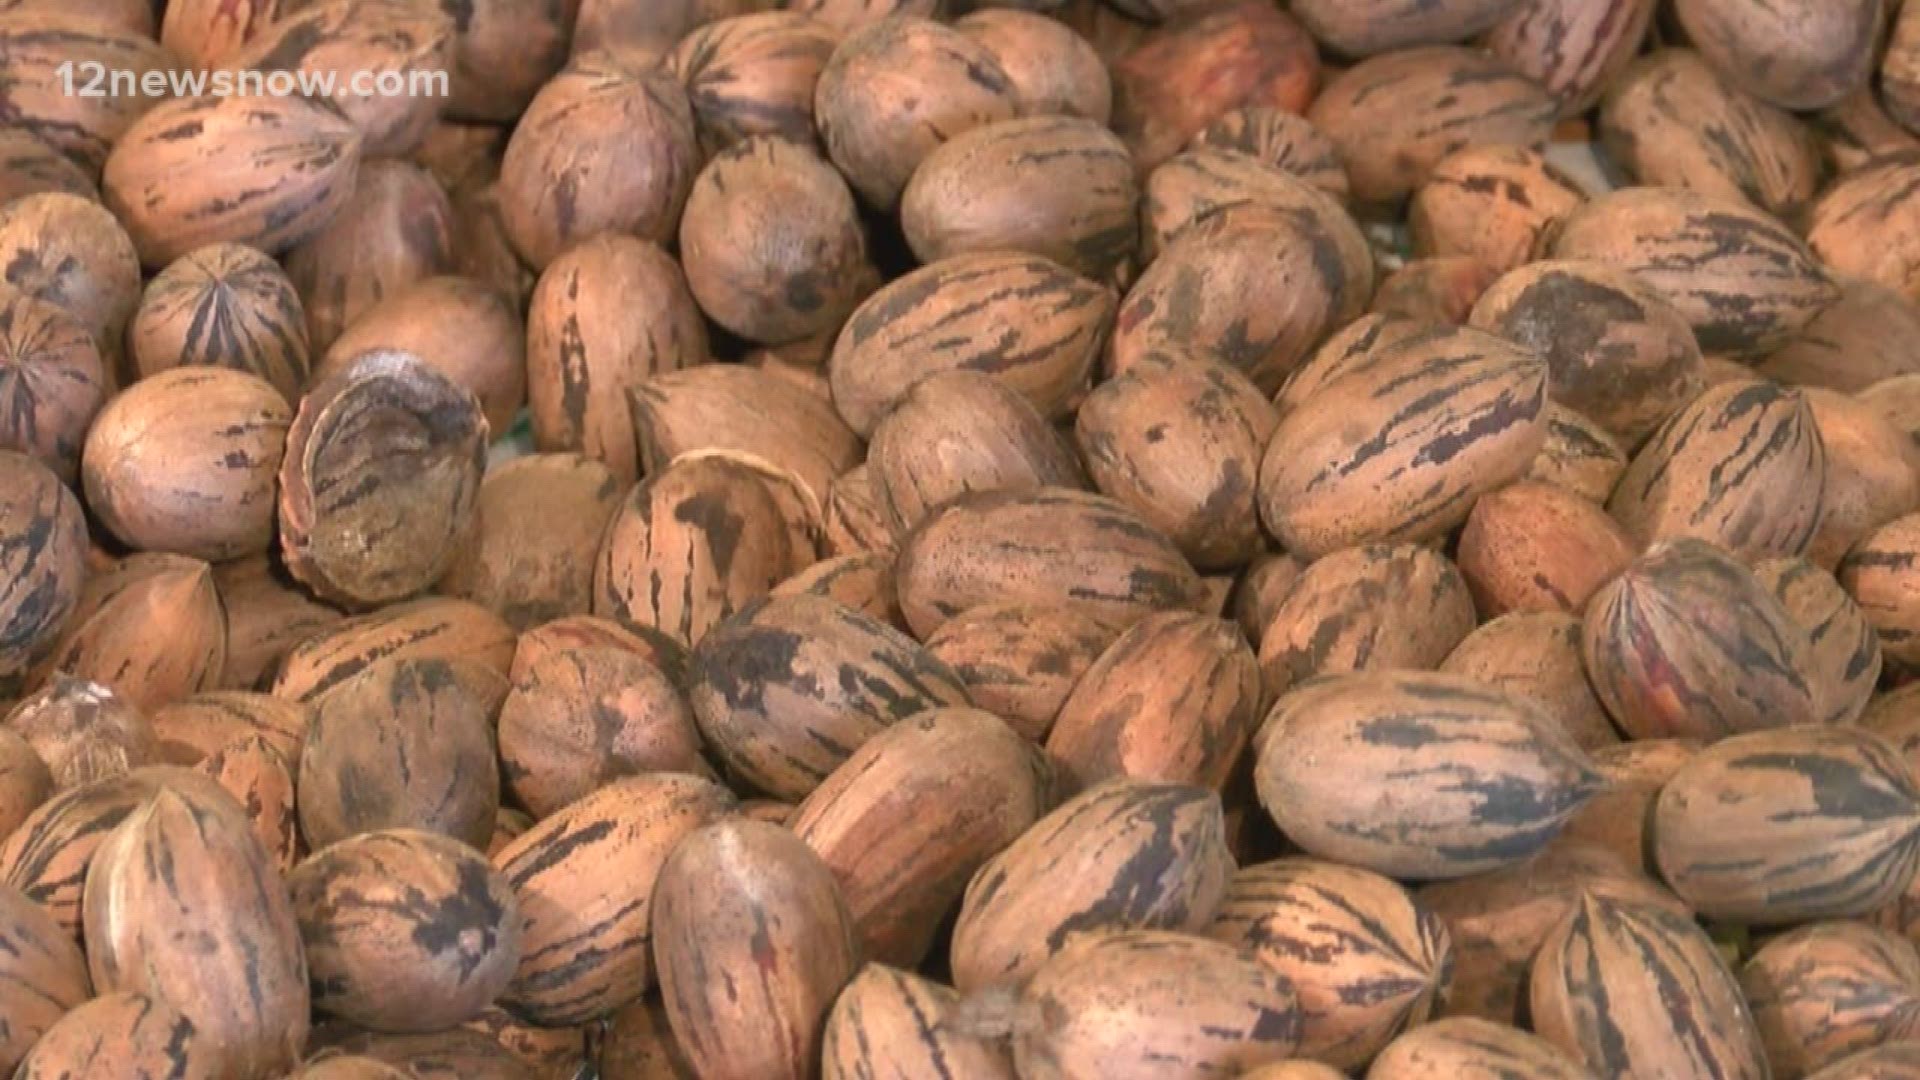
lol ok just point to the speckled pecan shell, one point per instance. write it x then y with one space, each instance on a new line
913 813
1858 129
604 317
83 731
1401 450
201 32
1880 573
228 306
894 90
1054 71
1281 139
263 171
538 522
438 628
1031 323
855 518
744 904
1149 1001
460 327
1743 281
606 146
143 1035
962 431
82 126
1336 759
72 253
1631 989
1618 819
456 1052
1047 545
1789 825
41 574
586 941
53 381
187 461
889 1022
1395 116
183 903
1823 991
1263 585
405 930
1863 228
698 541
753 74
401 745
261 780
151 628
29 165
592 632
846 16
25 782
1899 81
1366 27
862 582
1439 290
1534 546
579 718
1468 1048
1365 960
1182 76
1671 121
1574 48
195 728
382 471
394 230
1536 655
1492 203
1871 333
1832 53
787 689
1057 186
43 975
1021 660
1843 661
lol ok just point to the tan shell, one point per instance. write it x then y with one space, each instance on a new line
560 1053
605 317
894 90
1879 574
458 326
1021 661
381 475
1213 59
1832 51
1497 921
1365 27
456 1052
1890 1061
72 253
1574 48
591 632
579 718
1843 662
183 903
260 778
1899 80
963 431
856 520
268 172
753 74
83 731
435 628
405 930
1466 1048
1862 228
1262 588
503 51
1633 989
349 39
1537 655
463 157
889 1022
1031 323
1440 290
1210 182
267 614
606 146
1579 455
195 728
644 31
1054 71
538 522
913 813
1281 139
1175 698
1124 855
1616 351
738 409
1058 186
44 571
743 904
1671 121
53 381
698 541
1256 289
1827 990
586 938
227 306
772 243
1491 203
789 688
1789 825
395 230
1618 819
1401 450
142 1035
1336 757
201 32
401 745
1743 281
1858 129
849 15
151 628
1534 546
347 1067
30 165
1871 333
1395 116
1048 545
187 461
481 249
1377 606
25 782
638 1044
1149 1002
43 974
1366 962
40 38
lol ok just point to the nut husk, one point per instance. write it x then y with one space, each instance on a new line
83 731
